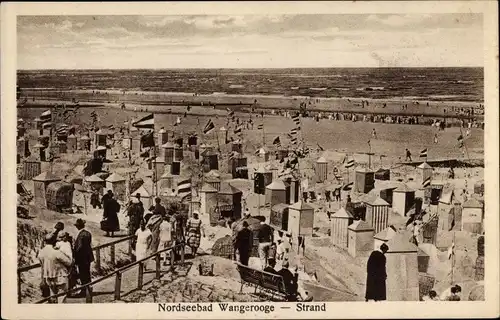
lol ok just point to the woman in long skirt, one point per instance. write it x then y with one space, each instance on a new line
144 238
193 233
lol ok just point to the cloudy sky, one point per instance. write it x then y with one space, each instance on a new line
252 41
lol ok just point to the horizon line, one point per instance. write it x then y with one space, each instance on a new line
253 68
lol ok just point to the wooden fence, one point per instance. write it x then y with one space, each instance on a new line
118 275
98 249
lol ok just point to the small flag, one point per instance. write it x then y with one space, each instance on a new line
350 163
294 131
296 119
277 141
348 186
369 142
320 147
209 127
451 250
260 127
47 125
294 140
423 153
46 117
148 122
427 182
184 187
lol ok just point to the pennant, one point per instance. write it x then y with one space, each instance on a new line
294 141
209 127
148 122
294 131
260 127
423 153
350 163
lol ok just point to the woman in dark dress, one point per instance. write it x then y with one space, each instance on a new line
110 222
376 275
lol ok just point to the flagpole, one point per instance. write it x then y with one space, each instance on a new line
155 178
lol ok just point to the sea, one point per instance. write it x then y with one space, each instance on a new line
433 84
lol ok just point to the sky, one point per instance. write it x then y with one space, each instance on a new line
250 41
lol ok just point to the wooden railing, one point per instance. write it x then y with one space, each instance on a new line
118 275
96 249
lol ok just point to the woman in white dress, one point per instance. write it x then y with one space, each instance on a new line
144 237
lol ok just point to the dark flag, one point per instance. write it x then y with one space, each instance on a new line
423 153
209 127
348 186
350 163
277 141
260 127
148 122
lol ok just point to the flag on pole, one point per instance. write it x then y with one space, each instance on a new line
426 183
451 250
348 186
46 117
320 147
350 163
209 127
296 119
184 188
237 130
277 141
294 130
294 140
260 127
423 153
147 123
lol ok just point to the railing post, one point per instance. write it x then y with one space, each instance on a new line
19 287
130 241
118 285
182 253
98 259
172 259
157 259
140 277
88 297
113 255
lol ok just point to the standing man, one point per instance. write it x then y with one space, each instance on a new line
376 275
83 253
244 243
159 208
265 236
135 214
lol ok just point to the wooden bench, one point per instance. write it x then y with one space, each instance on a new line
268 283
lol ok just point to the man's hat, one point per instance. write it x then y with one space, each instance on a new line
110 191
137 195
80 223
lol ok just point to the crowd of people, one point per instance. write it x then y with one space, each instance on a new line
65 263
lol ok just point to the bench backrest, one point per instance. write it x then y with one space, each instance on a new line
261 278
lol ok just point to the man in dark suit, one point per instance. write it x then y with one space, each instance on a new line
83 253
